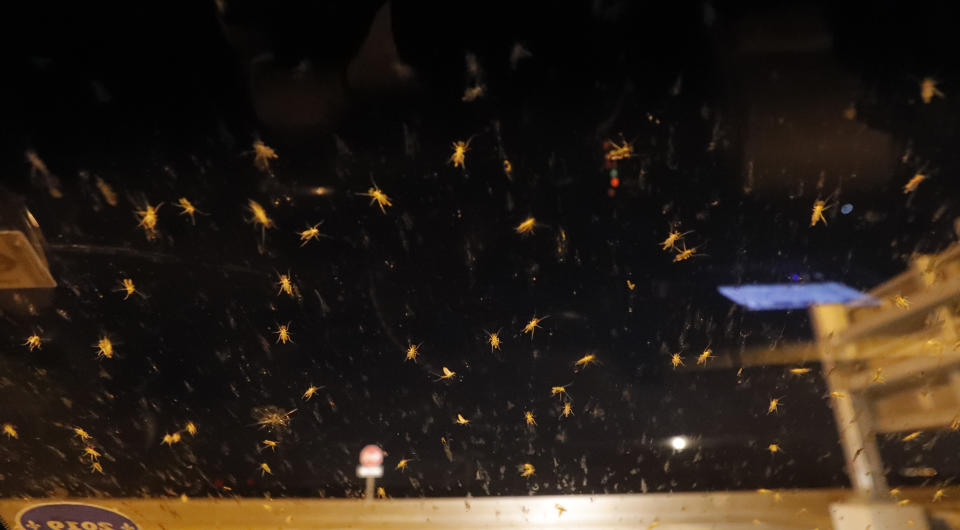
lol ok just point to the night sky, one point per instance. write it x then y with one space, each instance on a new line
736 132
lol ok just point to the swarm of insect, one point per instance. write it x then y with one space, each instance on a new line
270 444
901 302
262 155
106 191
473 93
618 152
447 374
819 207
774 406
38 168
381 493
561 244
507 169
170 439
773 448
527 470
148 220
799 371
90 452
402 464
259 217
461 420
673 237
704 357
631 286
285 284
413 353
912 184
528 418
526 227
684 253
271 417
191 428
676 360
912 436
586 360
10 430
560 390
34 342
265 469
187 208
283 333
459 156
127 286
531 326
928 89
378 196
82 434
309 393
567 410
105 347
493 339
311 232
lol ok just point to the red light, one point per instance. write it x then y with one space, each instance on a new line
371 455
614 182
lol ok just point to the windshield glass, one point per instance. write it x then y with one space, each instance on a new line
242 242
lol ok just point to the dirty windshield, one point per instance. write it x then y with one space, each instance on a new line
521 249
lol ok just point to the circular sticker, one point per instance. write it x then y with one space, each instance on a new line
72 516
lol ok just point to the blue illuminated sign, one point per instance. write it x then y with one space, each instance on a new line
766 297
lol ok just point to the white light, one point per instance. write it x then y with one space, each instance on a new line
679 443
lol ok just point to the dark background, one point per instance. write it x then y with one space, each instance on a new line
736 115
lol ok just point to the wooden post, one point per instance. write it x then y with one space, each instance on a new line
368 492
852 412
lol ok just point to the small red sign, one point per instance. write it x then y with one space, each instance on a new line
371 456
